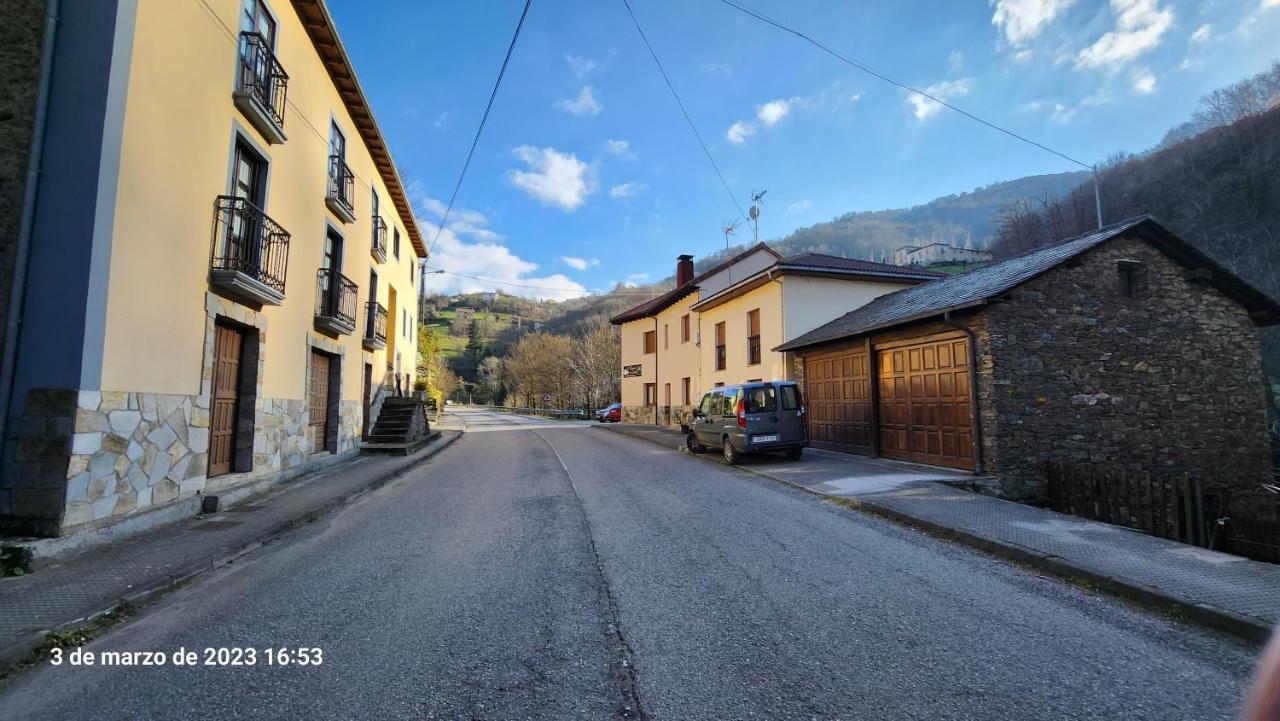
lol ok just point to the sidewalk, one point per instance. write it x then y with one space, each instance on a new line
67 594
1229 593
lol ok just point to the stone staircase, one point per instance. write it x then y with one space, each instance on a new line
400 429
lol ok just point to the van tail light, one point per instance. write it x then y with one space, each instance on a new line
742 414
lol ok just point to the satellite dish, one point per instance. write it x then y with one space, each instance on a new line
754 212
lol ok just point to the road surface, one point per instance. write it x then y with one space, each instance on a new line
546 570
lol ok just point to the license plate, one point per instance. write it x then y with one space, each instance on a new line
766 439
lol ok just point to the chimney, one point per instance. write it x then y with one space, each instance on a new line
684 269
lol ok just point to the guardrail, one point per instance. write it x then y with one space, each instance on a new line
553 412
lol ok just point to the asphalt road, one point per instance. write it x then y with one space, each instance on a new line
538 570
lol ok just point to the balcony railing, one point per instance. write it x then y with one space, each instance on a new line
261 86
335 302
379 246
341 189
250 252
375 326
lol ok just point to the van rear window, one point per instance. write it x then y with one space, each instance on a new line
762 399
790 398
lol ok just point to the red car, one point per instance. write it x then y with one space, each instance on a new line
610 414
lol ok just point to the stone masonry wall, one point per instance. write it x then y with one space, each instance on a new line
1168 380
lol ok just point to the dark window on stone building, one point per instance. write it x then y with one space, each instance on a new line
1129 275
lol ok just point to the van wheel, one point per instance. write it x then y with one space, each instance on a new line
691 442
795 453
730 455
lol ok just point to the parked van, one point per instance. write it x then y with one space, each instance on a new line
750 418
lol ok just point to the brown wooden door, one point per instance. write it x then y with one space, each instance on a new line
925 409
838 390
227 346
319 400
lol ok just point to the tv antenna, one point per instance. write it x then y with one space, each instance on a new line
757 199
727 228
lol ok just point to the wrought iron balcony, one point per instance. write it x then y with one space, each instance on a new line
379 247
335 302
341 189
375 326
250 252
261 85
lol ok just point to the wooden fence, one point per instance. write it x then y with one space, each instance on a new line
1166 505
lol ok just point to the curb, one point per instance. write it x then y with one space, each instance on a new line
18 651
1251 629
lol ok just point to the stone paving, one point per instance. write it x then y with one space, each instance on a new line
1225 591
68 592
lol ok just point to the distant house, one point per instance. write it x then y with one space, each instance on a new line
935 253
1125 348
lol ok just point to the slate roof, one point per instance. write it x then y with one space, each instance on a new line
820 262
977 286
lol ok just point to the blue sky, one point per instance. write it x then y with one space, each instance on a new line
587 174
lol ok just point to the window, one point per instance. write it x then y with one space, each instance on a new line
708 404
684 328
684 391
720 354
256 19
651 394
719 385
248 175
395 245
650 341
729 406
753 337
666 394
1129 277
337 142
790 398
762 399
665 344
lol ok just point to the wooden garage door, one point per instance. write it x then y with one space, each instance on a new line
227 346
924 402
318 400
838 391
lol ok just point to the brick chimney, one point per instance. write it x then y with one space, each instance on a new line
684 269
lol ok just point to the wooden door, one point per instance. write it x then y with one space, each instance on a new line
366 397
838 390
319 400
925 406
227 346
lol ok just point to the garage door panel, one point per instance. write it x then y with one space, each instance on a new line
838 391
924 403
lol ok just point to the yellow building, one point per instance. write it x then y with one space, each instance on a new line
223 263
718 328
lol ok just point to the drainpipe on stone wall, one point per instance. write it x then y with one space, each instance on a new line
973 390
13 324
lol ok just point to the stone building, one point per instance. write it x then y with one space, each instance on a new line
1122 349
938 253
221 282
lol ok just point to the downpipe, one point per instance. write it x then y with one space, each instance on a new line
973 391
22 251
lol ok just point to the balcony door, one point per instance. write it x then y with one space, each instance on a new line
256 19
254 63
332 266
245 234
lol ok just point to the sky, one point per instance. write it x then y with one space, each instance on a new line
588 176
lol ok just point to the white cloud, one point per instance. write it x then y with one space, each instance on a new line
635 279
1203 32
1062 114
618 147
799 206
553 178
1270 4
772 112
467 247
584 104
924 108
625 190
723 70
739 132
579 65
855 97
443 119
955 61
1144 82
1023 20
579 263
1139 27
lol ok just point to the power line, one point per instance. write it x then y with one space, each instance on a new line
483 119
875 73
543 287
684 112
